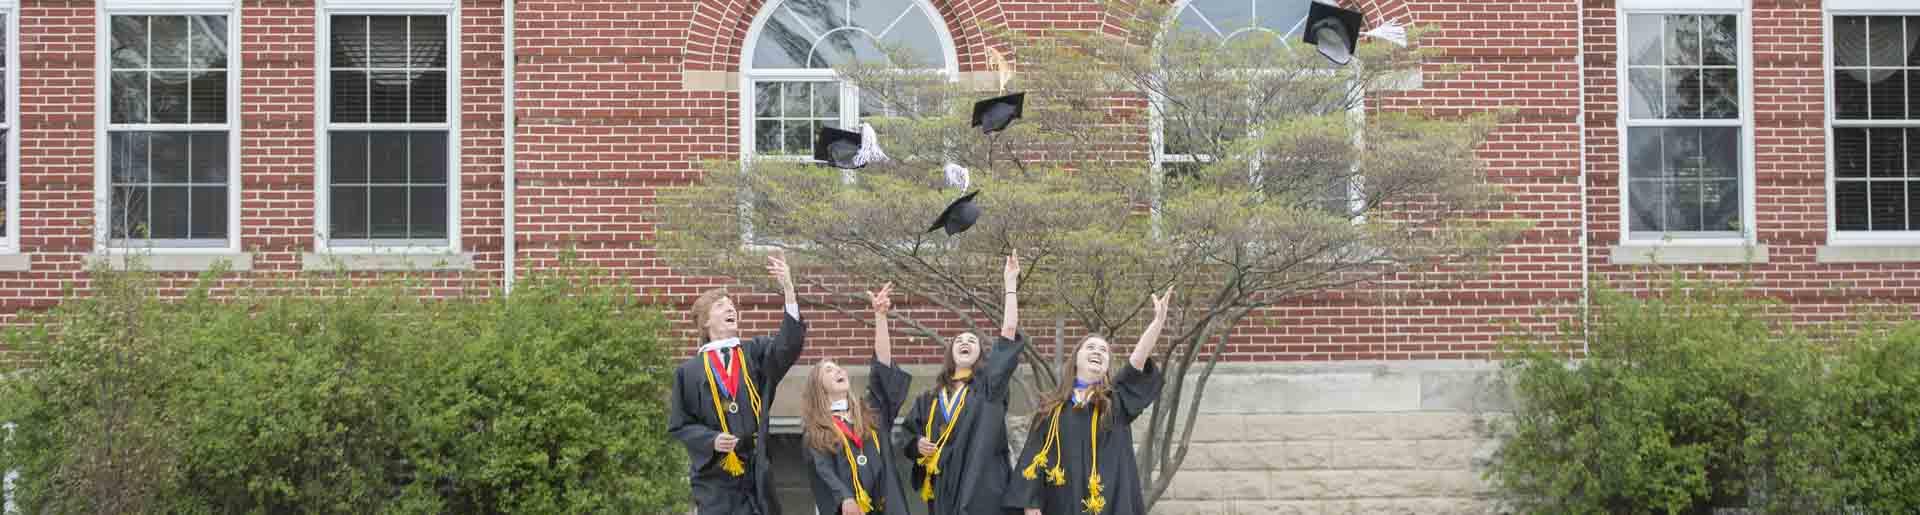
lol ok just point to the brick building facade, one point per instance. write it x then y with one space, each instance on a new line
1767 137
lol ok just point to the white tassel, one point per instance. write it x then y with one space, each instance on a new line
1389 31
958 176
869 148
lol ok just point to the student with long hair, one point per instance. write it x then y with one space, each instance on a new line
1079 454
956 433
720 398
852 470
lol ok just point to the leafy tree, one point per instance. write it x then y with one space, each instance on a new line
1296 191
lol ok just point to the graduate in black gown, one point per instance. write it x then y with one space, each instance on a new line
721 397
850 461
956 433
1079 454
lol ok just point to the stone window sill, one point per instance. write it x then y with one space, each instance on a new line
1644 254
176 261
16 262
1860 253
435 262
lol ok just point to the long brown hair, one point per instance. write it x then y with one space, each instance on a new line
816 414
702 309
1063 394
949 366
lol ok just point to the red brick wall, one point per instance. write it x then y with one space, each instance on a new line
604 123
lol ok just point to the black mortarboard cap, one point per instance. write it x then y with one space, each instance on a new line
1335 31
959 215
994 114
836 147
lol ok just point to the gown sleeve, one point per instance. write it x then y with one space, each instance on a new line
916 425
1134 390
1001 364
827 469
1023 493
886 390
775 355
687 428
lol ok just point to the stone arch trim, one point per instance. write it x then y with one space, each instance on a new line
718 33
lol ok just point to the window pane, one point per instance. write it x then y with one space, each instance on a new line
170 158
129 42
427 97
127 214
826 100
170 212
766 99
1683 40
209 50
1646 202
1644 40
1722 93
796 102
1720 40
208 98
1913 157
1645 153
1888 200
428 207
1685 158
349 97
1888 96
767 136
387 212
388 40
428 157
1647 89
127 157
169 41
1849 41
388 98
800 137
349 41
1685 204
1684 90
348 205
1849 152
209 219
129 97
428 48
209 157
1850 94
347 160
1850 205
1721 148
1886 42
1885 151
1720 205
168 97
387 159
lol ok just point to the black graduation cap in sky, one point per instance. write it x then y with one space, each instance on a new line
994 114
837 148
959 215
1335 31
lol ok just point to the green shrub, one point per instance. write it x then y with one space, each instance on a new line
337 399
1691 399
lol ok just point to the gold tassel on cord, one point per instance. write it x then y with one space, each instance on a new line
926 489
1039 460
1095 502
865 501
732 465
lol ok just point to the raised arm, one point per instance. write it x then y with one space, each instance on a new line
792 338
1151 337
1010 321
882 340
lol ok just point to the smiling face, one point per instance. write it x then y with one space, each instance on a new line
722 321
966 350
1092 358
833 378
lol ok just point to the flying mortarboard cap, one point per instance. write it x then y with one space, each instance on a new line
1335 31
837 148
959 215
994 114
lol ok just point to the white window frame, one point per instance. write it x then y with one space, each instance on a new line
10 239
1743 19
323 124
1835 236
849 93
103 114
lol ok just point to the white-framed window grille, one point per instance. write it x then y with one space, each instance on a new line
389 131
1873 62
9 122
1686 126
167 145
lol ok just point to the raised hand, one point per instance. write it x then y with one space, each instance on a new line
777 267
882 300
1160 302
1011 273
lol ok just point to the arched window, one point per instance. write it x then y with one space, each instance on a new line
789 88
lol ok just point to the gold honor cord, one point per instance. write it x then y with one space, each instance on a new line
860 496
1095 502
932 461
731 463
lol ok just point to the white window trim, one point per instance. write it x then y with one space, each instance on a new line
10 241
323 107
1748 234
103 116
1889 240
849 93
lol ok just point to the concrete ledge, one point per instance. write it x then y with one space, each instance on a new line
1867 254
1427 506
176 262
707 80
16 262
1324 484
440 262
1687 255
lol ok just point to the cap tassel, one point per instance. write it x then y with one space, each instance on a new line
869 148
1389 31
958 177
732 465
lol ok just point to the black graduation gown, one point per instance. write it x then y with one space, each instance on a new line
973 465
833 479
692 420
1132 392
